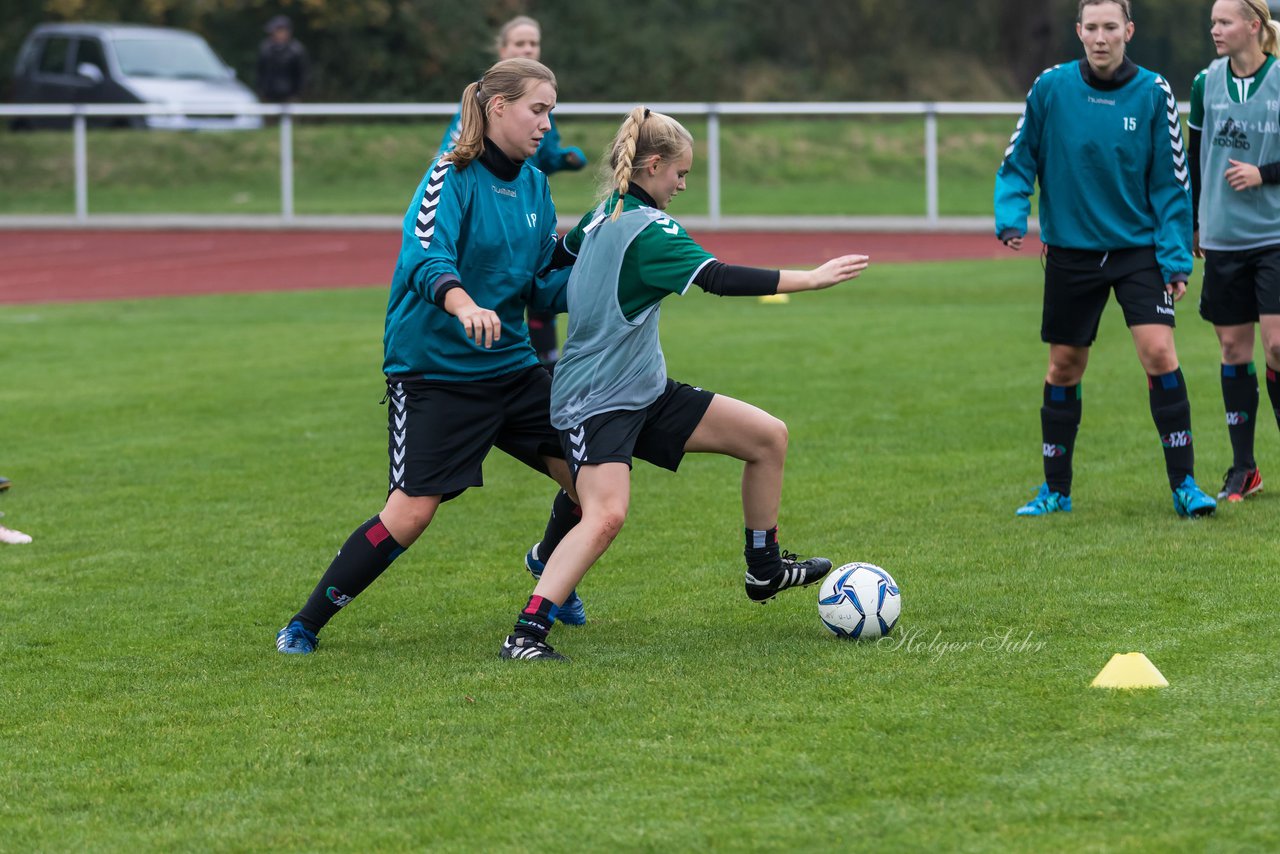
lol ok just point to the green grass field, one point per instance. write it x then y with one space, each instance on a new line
189 466
797 166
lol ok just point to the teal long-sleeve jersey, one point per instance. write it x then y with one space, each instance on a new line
1110 162
495 238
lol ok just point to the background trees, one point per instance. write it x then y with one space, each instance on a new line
426 50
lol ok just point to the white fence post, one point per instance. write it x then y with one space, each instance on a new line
286 164
81 157
931 164
713 164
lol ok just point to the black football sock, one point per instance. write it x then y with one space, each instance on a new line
367 552
564 515
1273 392
537 618
1171 411
1059 424
1240 396
764 559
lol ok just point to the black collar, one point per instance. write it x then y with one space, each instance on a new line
1126 72
496 161
640 194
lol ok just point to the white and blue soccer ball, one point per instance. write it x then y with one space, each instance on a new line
860 601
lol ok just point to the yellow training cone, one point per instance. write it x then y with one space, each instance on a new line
1129 670
775 299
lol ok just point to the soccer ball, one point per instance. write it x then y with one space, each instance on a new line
859 600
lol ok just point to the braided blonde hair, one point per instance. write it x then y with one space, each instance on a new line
1269 35
510 78
643 134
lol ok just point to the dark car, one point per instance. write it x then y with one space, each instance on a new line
129 64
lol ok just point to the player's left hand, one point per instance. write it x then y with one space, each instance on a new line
1177 290
1243 176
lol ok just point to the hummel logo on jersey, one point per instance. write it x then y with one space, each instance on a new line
503 191
1177 439
665 223
1051 450
1235 419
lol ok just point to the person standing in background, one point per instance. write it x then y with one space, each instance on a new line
282 63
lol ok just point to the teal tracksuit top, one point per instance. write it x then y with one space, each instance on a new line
493 237
1110 162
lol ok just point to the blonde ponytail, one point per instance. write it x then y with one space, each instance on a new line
643 134
509 78
1271 37
1269 34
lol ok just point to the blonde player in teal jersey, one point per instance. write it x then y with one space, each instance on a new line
611 397
521 37
477 244
1234 141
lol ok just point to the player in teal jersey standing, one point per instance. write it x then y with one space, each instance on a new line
522 37
1103 139
1234 142
478 240
611 398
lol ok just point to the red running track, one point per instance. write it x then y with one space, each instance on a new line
67 266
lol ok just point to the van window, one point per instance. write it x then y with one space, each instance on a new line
90 51
177 56
54 58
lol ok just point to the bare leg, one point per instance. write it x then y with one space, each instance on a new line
752 435
605 492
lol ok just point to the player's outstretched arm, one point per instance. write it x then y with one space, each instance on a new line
833 272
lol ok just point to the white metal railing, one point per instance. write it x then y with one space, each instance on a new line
712 112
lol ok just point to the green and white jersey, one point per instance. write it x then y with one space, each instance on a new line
1240 120
612 358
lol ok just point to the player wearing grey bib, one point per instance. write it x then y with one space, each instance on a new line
611 398
1234 141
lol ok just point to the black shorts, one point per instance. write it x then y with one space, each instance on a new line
1240 286
440 432
656 434
1077 283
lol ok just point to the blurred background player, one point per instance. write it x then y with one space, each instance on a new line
1109 223
1235 181
461 376
522 37
611 397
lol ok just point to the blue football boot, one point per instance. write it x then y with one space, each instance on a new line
1191 501
296 639
572 612
1046 502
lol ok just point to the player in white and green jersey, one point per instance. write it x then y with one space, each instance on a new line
611 398
1234 142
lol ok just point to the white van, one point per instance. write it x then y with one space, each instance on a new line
129 64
